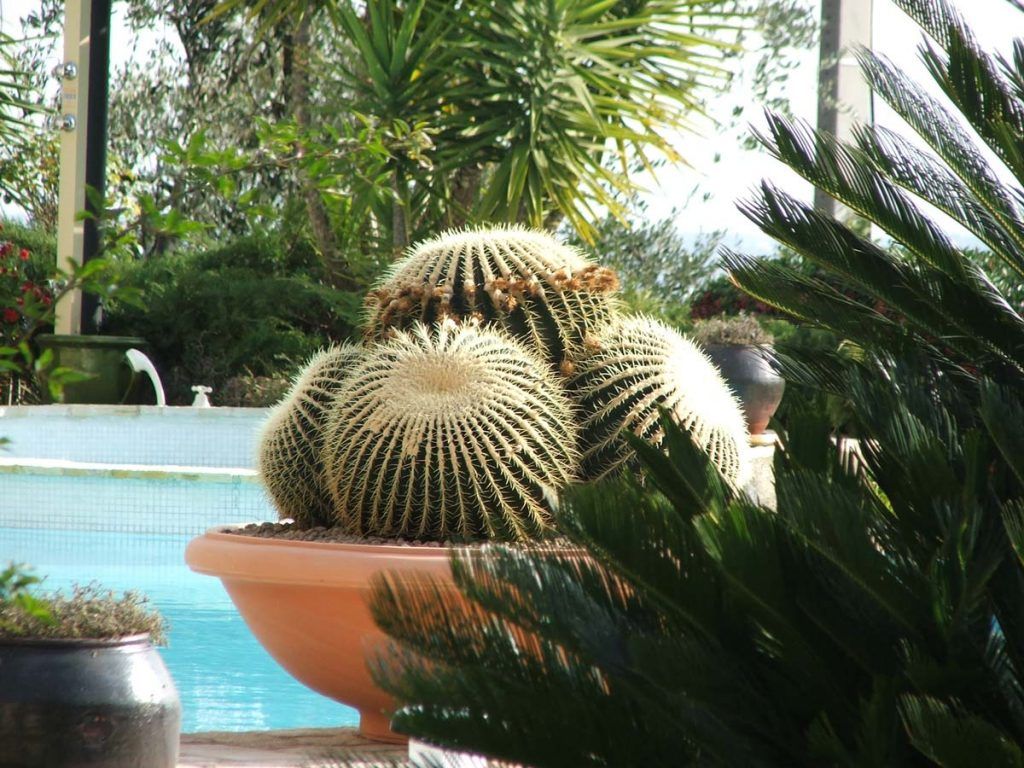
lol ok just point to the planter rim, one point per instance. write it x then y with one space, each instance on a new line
88 340
71 643
290 561
723 345
221 533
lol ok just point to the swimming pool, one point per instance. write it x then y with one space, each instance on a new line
126 526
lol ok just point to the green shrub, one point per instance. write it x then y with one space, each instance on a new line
872 619
254 308
39 241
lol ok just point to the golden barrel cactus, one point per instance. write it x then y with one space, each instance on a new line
289 446
449 432
637 365
544 293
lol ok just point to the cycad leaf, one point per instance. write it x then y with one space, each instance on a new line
925 176
849 176
928 298
952 740
1002 411
942 132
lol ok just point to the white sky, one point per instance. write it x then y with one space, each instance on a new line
736 171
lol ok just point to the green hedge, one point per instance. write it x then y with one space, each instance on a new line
254 309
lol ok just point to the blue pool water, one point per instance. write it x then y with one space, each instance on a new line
224 677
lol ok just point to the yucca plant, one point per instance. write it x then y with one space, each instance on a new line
548 295
535 109
291 441
449 432
637 366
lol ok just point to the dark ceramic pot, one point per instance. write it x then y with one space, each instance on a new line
87 704
749 373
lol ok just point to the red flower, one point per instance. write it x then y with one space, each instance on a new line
23 254
11 315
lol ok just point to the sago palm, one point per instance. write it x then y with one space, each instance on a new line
923 290
874 619
877 617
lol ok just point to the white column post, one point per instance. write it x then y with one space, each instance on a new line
72 121
844 97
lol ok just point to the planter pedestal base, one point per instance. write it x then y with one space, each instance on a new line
306 602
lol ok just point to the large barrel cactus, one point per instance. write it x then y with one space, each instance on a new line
453 423
637 366
542 292
292 438
450 431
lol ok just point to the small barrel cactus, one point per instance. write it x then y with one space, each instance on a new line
638 365
544 293
453 431
291 441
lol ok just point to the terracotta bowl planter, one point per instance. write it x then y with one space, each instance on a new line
306 602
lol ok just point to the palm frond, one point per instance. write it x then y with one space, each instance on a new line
1001 408
924 297
972 80
952 740
941 131
926 177
851 178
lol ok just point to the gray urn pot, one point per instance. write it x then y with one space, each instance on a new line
748 371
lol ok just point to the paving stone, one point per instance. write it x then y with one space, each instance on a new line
301 748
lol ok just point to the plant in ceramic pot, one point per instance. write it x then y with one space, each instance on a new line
488 381
82 683
741 349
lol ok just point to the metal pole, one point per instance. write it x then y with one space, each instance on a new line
844 98
96 144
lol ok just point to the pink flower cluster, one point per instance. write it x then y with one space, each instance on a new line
15 285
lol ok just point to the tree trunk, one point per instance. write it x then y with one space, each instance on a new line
399 221
297 50
465 188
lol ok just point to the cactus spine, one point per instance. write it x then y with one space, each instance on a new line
638 365
451 431
292 438
546 294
